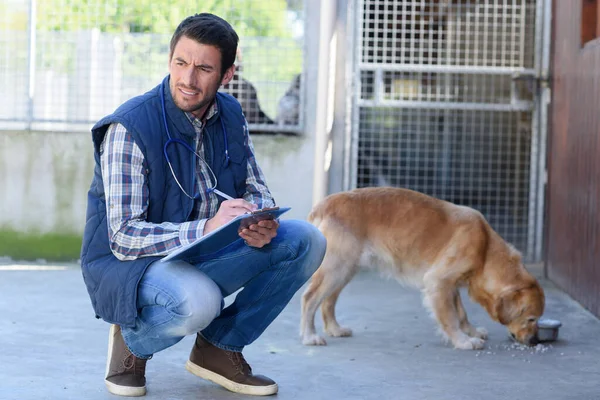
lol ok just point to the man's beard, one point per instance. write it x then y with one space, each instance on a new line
191 107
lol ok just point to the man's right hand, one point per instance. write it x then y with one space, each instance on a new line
228 210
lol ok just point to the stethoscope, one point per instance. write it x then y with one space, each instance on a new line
188 147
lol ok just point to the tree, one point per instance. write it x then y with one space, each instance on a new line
251 18
272 54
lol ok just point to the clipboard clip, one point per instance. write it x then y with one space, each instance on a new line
261 210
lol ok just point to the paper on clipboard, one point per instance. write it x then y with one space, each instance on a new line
224 235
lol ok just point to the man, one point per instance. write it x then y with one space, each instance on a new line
163 161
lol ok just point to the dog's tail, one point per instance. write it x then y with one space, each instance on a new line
330 210
316 215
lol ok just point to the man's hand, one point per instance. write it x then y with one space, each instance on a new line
228 210
261 233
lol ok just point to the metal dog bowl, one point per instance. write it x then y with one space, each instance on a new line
548 329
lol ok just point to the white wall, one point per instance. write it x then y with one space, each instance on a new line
44 177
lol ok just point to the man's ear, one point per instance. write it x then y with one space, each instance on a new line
228 75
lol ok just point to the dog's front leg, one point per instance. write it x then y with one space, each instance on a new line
439 296
465 325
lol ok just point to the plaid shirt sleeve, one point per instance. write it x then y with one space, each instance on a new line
126 192
257 191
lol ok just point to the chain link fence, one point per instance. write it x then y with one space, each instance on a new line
66 63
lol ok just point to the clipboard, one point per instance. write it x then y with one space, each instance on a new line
225 234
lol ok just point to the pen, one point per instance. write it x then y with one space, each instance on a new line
223 195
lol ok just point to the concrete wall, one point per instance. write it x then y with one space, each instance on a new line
44 178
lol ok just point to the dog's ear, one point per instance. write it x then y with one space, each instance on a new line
507 306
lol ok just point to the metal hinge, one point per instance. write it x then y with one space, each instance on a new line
541 81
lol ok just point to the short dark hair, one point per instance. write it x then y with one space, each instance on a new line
209 29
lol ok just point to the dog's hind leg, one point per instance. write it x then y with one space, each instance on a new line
310 304
330 278
465 325
328 311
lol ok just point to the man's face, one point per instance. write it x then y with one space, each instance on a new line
195 70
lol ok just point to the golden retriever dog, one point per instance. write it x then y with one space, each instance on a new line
429 243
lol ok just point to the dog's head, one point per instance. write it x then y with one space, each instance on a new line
519 310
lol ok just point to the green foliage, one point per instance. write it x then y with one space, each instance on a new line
272 56
249 17
18 21
31 246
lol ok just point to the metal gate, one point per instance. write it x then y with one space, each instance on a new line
447 101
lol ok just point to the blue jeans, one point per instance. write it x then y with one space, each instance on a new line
177 298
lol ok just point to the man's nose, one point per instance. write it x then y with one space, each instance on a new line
188 77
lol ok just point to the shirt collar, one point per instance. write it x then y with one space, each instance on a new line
197 122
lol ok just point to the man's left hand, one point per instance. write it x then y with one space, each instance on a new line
261 233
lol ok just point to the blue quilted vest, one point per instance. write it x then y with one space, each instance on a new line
112 284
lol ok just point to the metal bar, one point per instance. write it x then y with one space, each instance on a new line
450 105
251 127
378 90
351 109
534 176
547 30
276 128
47 121
522 34
453 69
537 157
32 62
301 123
359 17
494 32
545 93
448 115
43 127
504 29
534 160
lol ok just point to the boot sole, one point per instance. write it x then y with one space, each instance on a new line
113 388
228 384
129 391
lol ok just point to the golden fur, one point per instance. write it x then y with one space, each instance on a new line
432 244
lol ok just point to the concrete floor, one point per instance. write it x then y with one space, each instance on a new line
52 347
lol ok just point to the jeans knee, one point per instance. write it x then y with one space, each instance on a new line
317 242
198 304
310 244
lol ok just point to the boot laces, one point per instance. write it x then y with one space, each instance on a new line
133 364
239 362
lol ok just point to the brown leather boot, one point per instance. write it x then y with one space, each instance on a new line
125 373
228 369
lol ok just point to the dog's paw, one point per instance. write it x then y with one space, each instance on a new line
469 343
313 340
481 333
478 332
338 331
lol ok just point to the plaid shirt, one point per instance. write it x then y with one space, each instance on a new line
126 193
